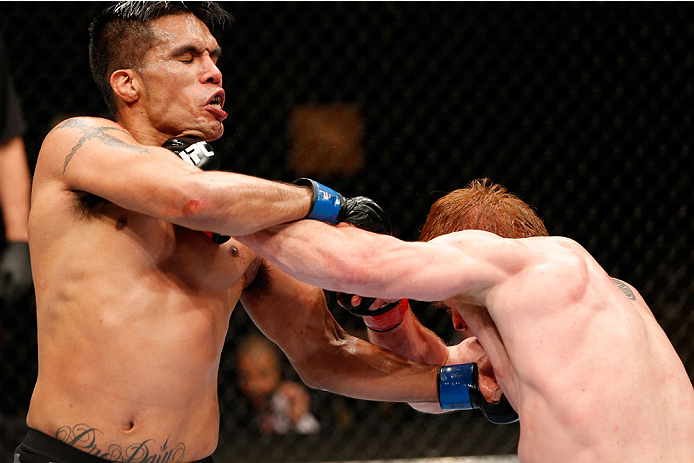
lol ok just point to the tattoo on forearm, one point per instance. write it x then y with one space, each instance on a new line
83 437
98 133
625 289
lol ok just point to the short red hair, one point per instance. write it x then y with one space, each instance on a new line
482 205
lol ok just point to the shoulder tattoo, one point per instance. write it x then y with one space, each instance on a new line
625 289
95 133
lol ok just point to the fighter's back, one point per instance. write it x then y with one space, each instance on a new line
598 379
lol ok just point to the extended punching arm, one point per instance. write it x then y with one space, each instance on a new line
330 206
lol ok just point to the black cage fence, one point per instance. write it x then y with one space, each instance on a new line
582 109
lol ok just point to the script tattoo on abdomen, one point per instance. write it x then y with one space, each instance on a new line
83 437
99 133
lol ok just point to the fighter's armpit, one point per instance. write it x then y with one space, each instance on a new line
625 289
96 132
257 277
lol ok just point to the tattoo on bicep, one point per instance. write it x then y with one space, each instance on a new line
625 289
98 133
83 437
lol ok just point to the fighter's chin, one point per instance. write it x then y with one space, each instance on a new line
211 133
216 134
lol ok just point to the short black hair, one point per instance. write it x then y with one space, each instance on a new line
120 35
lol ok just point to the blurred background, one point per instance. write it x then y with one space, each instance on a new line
584 110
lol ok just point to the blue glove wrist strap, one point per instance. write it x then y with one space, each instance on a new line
326 204
455 382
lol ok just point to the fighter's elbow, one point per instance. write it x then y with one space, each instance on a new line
186 202
312 376
323 367
311 379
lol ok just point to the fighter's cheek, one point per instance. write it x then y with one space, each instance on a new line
458 322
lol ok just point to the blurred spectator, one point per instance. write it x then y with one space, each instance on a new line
17 308
281 406
15 269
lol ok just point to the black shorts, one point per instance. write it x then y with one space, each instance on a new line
40 448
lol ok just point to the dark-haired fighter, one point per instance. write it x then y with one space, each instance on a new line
133 297
578 354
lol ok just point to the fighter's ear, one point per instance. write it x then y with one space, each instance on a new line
458 322
126 85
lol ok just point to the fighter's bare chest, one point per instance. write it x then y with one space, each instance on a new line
184 257
192 257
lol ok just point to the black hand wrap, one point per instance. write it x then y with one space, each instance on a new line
15 271
365 214
198 153
499 412
362 310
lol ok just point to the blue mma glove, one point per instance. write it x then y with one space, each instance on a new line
327 205
459 390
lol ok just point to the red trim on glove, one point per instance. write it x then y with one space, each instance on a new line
389 320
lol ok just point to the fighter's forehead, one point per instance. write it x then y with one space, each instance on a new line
181 31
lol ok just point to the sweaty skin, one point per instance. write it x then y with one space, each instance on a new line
133 298
582 360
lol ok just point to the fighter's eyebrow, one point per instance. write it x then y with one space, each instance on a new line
183 49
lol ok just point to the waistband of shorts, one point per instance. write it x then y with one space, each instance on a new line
45 445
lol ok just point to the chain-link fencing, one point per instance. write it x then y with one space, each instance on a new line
582 109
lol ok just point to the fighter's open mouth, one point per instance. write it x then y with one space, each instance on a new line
216 100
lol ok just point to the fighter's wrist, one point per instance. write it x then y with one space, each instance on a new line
325 202
454 385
